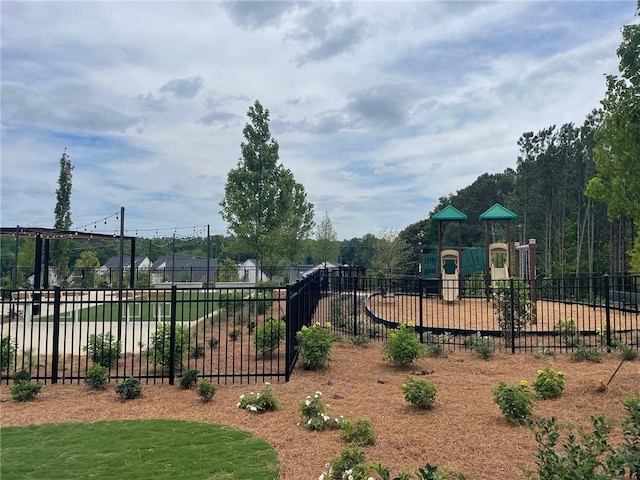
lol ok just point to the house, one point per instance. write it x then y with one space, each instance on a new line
139 263
248 272
183 268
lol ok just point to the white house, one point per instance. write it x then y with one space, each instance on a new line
247 272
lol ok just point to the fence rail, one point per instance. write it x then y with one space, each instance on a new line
248 334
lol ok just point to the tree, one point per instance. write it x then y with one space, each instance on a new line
228 271
391 254
617 150
60 248
86 267
264 207
327 247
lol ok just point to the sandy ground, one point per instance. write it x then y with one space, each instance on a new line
465 431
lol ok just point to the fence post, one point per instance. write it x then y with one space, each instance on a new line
355 307
607 310
56 334
172 335
511 306
288 335
420 296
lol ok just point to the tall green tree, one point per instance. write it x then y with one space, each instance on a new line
391 255
86 267
617 150
327 248
264 207
60 247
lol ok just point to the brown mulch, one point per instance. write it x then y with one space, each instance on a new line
465 431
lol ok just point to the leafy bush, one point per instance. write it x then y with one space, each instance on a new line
160 344
262 301
482 346
514 308
314 416
25 390
213 342
402 346
420 393
359 432
549 383
350 464
103 349
515 402
584 353
129 389
260 402
269 336
567 332
543 353
8 353
435 343
206 390
188 379
315 345
97 376
234 334
628 455
628 353
21 376
197 351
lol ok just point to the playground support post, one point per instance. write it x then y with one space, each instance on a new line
172 335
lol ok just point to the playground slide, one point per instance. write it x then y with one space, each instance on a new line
449 289
499 273
499 261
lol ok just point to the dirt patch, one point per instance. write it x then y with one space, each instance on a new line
465 431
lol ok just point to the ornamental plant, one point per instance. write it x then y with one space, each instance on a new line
129 389
260 402
420 393
314 416
549 383
350 465
359 432
268 336
206 390
188 379
97 376
567 332
314 344
402 346
103 349
482 346
515 402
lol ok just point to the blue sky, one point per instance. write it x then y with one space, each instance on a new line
379 108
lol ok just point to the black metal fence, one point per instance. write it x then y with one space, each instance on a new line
248 334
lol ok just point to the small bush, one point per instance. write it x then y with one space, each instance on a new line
8 353
315 345
542 353
206 390
197 351
103 349
429 472
359 432
549 383
160 344
567 332
213 342
402 346
628 353
97 376
350 464
420 393
482 346
234 334
268 336
25 390
515 402
21 376
129 389
586 354
188 379
314 416
260 402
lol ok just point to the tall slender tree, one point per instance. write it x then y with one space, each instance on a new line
327 247
264 207
60 247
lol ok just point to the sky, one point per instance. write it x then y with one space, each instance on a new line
379 108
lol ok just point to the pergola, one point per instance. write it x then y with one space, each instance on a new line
43 236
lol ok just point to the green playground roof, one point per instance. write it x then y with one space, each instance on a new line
449 213
498 212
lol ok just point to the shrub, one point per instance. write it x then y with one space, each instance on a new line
206 390
269 336
543 353
129 389
21 376
262 300
235 334
103 349
8 353
628 455
197 351
188 379
515 402
482 346
314 416
160 344
584 353
25 390
315 345
260 402
359 432
514 307
549 383
628 353
402 346
97 376
567 332
429 472
435 343
420 393
352 460
213 342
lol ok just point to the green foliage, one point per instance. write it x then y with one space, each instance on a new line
62 212
188 379
21 376
327 248
261 301
25 390
549 383
359 432
391 254
513 306
429 472
269 335
402 346
197 351
435 343
8 353
315 345
584 353
264 401
628 353
129 389
234 334
86 265
314 416
97 376
567 332
542 353
627 456
482 346
420 393
206 390
103 349
228 271
515 402
353 459
213 342
160 344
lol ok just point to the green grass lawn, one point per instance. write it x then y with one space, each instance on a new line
134 449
